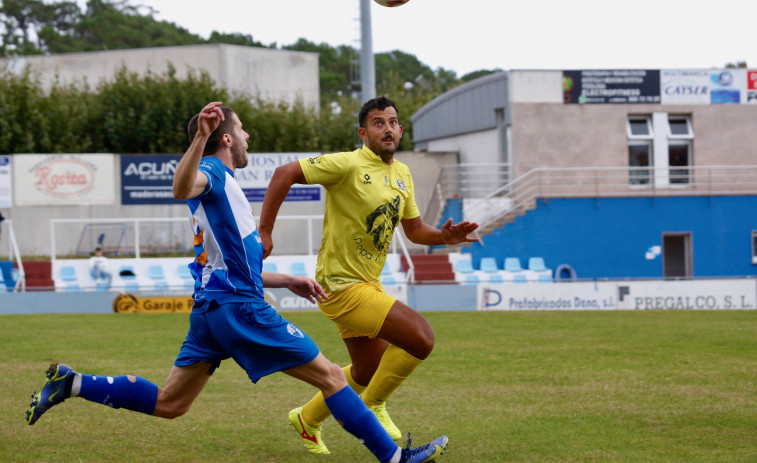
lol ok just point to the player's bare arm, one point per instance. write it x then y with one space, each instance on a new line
187 181
300 285
420 233
283 178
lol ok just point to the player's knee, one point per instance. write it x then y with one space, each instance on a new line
334 377
171 412
170 408
424 344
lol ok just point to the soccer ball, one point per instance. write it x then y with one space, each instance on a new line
391 3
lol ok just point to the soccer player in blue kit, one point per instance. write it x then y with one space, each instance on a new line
230 317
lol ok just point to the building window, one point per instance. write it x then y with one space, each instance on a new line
754 247
659 149
640 158
679 137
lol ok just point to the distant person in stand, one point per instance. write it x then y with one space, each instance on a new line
98 267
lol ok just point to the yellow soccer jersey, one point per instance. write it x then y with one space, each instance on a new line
365 201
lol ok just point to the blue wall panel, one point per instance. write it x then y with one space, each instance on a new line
609 237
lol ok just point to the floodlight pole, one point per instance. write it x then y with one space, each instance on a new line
367 63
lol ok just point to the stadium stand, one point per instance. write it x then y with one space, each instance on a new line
270 267
512 264
183 272
386 270
431 268
173 274
68 273
464 266
471 279
536 264
388 280
131 287
489 265
39 276
496 278
126 272
298 268
155 272
520 278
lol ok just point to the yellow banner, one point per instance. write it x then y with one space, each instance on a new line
127 303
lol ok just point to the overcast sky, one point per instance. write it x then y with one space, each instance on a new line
468 35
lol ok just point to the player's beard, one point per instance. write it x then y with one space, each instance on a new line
239 153
381 150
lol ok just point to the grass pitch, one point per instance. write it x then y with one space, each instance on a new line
678 386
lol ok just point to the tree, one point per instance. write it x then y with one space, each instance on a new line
21 20
736 65
234 39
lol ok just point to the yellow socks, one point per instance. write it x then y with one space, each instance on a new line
395 367
315 412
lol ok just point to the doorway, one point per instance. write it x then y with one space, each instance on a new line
676 255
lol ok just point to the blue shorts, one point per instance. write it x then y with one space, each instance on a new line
259 339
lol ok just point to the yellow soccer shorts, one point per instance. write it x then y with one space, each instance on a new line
359 310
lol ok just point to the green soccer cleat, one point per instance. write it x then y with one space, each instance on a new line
56 389
424 453
310 434
386 421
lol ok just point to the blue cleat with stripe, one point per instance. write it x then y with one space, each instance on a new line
56 389
424 453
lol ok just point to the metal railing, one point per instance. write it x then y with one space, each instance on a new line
521 193
465 181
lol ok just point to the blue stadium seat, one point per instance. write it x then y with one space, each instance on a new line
101 286
512 264
520 278
131 286
184 272
536 264
489 265
270 267
73 287
298 268
544 278
161 286
471 279
388 280
68 273
155 272
189 285
464 266
496 278
386 270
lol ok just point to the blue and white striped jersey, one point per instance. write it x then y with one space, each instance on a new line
228 249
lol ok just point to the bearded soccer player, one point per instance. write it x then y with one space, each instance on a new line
368 193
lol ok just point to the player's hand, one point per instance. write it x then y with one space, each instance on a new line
458 233
210 117
307 288
265 238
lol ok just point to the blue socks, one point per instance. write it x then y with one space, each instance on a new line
350 411
129 392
